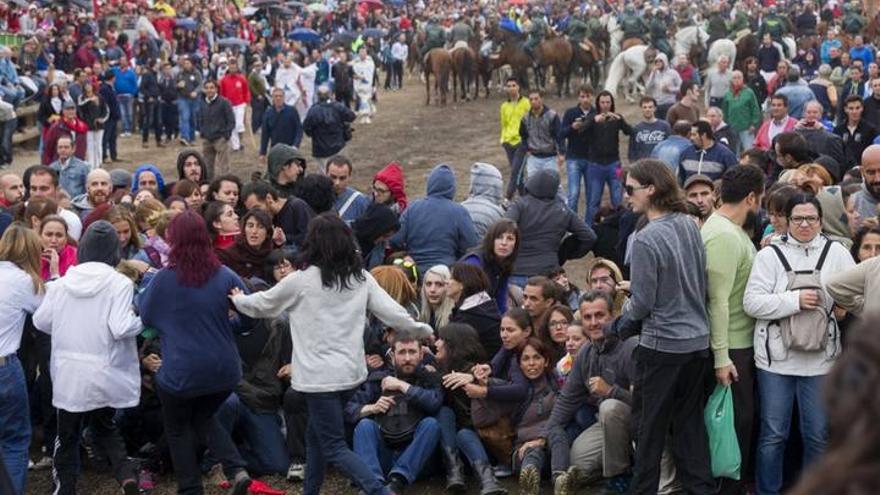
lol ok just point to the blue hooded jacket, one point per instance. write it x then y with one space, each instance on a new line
148 167
436 230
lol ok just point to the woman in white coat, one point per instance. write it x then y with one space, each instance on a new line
95 366
21 289
364 75
326 305
787 371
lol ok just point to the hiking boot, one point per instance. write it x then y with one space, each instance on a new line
296 472
454 471
130 487
529 481
488 483
562 483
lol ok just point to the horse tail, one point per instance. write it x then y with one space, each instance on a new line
615 73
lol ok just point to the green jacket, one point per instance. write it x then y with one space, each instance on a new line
853 23
578 30
538 29
740 22
461 32
434 35
633 26
741 111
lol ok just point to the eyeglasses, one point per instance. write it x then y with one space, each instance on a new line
631 189
810 220
380 190
557 324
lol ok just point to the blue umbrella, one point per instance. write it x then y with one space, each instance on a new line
233 42
187 23
374 33
509 24
304 34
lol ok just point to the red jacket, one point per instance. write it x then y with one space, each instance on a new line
234 87
165 26
84 57
75 128
762 138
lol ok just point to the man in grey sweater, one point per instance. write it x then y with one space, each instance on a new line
668 290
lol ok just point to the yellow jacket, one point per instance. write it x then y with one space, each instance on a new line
512 114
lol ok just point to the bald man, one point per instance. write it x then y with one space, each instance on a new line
865 201
99 185
11 191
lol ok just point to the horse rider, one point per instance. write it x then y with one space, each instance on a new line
853 21
740 25
776 26
435 36
632 25
805 23
537 29
717 26
657 29
577 32
461 32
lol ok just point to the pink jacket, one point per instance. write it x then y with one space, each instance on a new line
762 139
66 259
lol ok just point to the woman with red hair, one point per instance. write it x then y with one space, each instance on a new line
187 305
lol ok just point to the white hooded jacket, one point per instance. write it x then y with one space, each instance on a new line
767 300
89 315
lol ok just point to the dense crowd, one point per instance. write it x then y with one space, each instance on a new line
205 324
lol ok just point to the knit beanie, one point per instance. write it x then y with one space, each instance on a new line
100 243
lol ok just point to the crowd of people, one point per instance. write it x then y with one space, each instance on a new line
203 324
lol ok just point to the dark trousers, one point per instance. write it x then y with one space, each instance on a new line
325 444
397 73
151 119
189 422
670 393
744 407
296 417
389 74
516 156
108 146
169 119
259 104
7 129
67 447
345 97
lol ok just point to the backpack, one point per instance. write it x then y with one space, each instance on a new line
807 330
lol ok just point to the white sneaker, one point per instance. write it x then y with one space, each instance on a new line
296 472
44 463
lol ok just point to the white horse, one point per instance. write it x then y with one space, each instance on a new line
615 34
687 37
722 46
628 67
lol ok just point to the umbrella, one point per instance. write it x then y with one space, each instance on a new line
304 34
280 10
508 24
374 33
344 39
249 11
371 4
294 4
187 23
263 3
234 42
318 8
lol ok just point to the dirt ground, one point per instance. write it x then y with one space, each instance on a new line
404 129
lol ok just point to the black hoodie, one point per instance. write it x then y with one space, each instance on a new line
543 222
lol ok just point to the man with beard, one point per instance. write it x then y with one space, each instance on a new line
11 191
602 377
865 200
394 412
99 185
729 257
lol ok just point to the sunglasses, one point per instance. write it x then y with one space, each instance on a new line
632 189
407 265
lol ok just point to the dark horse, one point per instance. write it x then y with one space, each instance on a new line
464 64
553 52
746 47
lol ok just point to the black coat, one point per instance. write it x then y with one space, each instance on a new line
326 124
485 320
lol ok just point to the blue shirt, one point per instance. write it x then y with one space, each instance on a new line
357 205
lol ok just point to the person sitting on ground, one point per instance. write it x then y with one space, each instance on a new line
436 308
496 257
467 289
393 412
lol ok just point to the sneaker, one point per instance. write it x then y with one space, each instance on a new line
30 465
259 488
296 472
396 483
502 471
217 478
529 480
242 483
145 481
45 462
561 483
183 142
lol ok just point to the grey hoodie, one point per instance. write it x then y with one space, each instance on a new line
663 84
484 200
544 221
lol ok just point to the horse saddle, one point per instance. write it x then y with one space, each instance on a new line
586 46
458 45
741 34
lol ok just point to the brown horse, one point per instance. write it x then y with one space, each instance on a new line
555 52
587 61
809 42
415 48
746 47
464 64
629 43
437 63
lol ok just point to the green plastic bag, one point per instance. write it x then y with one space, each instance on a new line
723 445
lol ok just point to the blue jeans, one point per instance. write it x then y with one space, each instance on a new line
465 440
597 176
576 169
126 111
325 443
370 446
186 108
262 445
15 424
777 394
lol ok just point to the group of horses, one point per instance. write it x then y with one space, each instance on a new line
470 66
